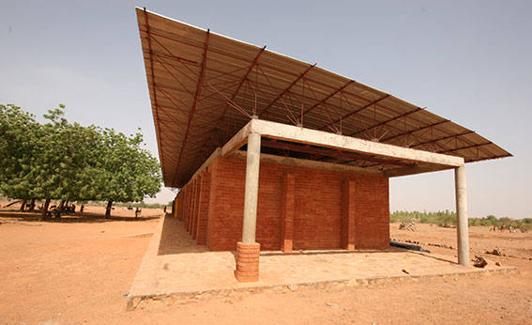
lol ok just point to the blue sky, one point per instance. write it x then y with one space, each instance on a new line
469 61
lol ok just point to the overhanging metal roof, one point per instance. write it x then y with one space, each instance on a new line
204 87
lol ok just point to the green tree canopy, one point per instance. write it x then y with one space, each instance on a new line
129 172
70 162
19 133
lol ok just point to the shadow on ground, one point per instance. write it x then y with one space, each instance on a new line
175 239
86 217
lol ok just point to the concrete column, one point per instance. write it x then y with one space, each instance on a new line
252 188
248 251
462 216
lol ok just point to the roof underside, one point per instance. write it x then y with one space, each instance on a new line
204 87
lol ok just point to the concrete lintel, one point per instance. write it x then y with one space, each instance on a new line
302 135
407 171
290 161
207 162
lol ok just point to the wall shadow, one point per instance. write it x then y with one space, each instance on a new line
176 240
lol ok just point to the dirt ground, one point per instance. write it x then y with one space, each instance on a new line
78 271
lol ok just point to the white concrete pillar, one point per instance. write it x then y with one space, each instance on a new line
461 214
252 188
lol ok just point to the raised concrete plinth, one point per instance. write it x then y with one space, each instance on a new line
175 267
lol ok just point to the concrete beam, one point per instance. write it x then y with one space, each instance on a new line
207 162
237 141
320 138
407 171
290 161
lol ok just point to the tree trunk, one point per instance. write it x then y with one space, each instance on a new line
22 205
81 208
108 209
44 214
59 209
11 203
32 205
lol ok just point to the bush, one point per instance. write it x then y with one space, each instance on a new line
448 218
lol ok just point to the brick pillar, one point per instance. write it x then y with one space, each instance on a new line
247 262
204 208
348 214
182 205
185 205
213 188
192 207
288 210
197 207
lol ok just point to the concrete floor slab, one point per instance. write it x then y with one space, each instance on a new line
175 266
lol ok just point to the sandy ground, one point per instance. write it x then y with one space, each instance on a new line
78 272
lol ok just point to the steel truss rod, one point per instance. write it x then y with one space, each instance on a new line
466 147
173 56
287 72
290 115
155 101
330 153
326 98
415 130
441 139
358 110
196 96
178 80
418 109
287 89
231 103
269 66
242 80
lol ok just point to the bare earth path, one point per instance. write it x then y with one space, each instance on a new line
77 273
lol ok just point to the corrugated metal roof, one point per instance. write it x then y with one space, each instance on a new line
204 87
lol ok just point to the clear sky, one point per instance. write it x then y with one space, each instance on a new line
469 61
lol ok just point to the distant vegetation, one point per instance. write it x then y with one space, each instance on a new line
65 161
134 204
448 218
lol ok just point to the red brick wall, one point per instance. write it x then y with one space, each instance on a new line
372 216
319 212
227 205
318 217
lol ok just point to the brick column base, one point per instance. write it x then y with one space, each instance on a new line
247 262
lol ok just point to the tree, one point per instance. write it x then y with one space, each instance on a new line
18 134
50 160
129 173
70 162
68 159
